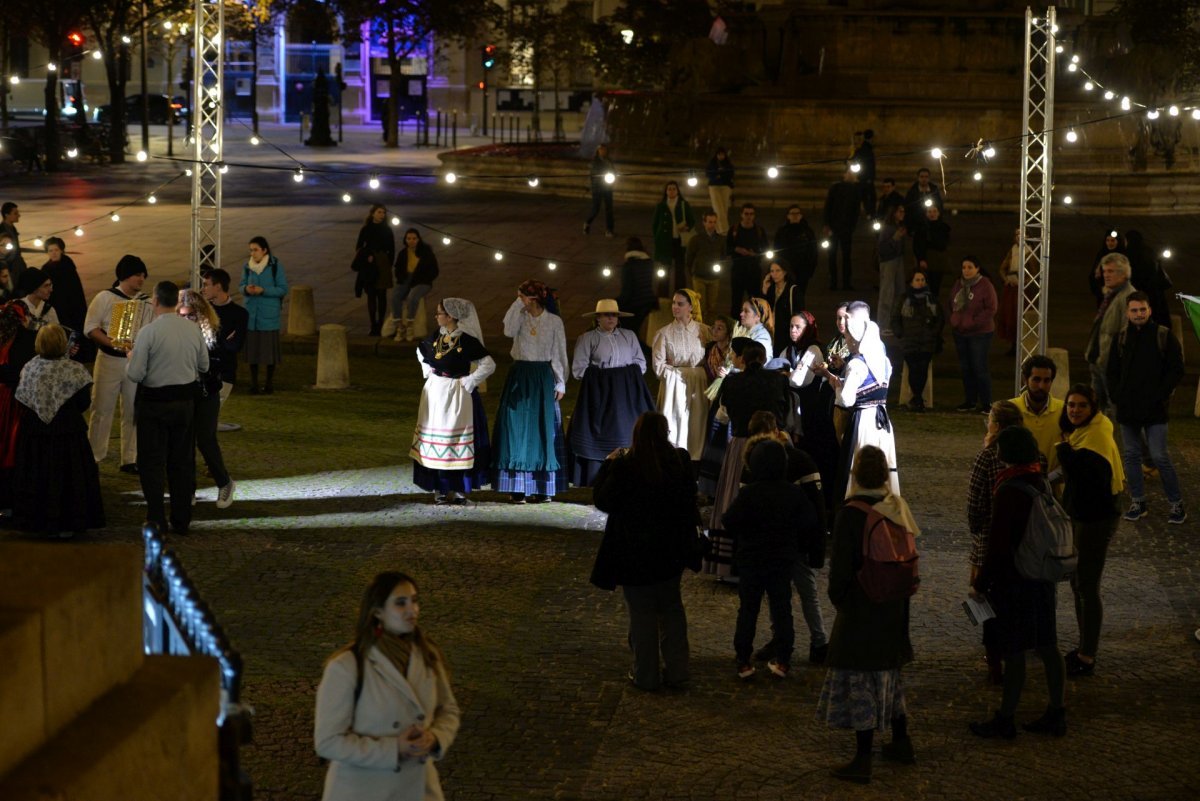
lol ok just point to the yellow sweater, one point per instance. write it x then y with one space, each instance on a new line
1044 426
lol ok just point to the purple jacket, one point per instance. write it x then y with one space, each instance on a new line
979 315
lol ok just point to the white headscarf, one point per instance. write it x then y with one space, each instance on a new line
864 332
463 311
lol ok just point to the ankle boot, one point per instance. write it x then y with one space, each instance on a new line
999 726
857 770
1053 721
900 749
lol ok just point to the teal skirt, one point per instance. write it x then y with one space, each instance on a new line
525 423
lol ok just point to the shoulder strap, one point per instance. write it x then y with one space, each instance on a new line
1162 338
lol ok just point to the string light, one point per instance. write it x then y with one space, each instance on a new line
78 231
72 153
978 176
96 54
445 240
374 182
254 140
1058 48
188 172
770 254
498 256
1196 114
126 40
395 220
346 197
1072 67
152 200
115 217
928 202
551 266
610 178
1125 103
1152 114
451 177
877 225
533 181
1166 254
661 273
1108 95
989 152
1173 111
854 167
717 267
37 242
1068 200
606 272
141 155
298 176
224 168
1071 135
14 80
691 179
1089 86
772 172
936 152
825 243
52 67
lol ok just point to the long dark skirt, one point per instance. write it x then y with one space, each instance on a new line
610 402
819 439
462 481
529 454
56 485
709 471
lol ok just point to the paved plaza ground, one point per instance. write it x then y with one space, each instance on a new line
325 501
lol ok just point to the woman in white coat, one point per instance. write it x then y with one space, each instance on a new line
385 710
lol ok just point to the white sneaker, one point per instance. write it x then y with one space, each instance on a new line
225 495
388 329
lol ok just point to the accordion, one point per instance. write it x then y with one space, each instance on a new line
128 318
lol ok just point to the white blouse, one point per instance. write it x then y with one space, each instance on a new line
538 339
679 345
617 349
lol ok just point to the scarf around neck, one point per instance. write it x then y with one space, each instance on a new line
964 294
258 266
398 649
1097 436
46 384
1013 471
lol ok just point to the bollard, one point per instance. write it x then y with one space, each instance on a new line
438 137
1062 378
333 362
302 318
454 130
493 129
425 118
420 322
906 390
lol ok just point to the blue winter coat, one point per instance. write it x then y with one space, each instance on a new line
266 309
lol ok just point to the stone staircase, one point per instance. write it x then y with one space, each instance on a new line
85 715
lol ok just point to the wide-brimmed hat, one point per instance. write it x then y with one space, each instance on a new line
607 306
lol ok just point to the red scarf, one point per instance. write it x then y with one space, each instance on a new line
1014 471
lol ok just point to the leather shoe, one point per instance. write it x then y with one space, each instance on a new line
130 468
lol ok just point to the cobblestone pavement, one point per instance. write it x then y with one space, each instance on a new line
325 501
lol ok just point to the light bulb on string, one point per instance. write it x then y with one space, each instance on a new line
825 243
188 172
298 176
551 266
346 197
152 200
772 172
770 254
498 256
445 240
1173 111
254 140
451 177
96 54
72 153
1152 114
224 168
1068 200
115 217
8 246
1196 114
141 155
1072 67
692 180
606 272
1113 234
52 67
855 167
1108 95
978 176
936 152
126 40
533 181
1074 59
395 220
1089 86
14 80
37 242
1071 135
1125 104
78 231
373 182
1166 254
928 202
717 267
989 152
610 177
877 225
1058 48
1053 29
661 273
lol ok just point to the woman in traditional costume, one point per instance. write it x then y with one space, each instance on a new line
678 353
450 450
613 395
529 454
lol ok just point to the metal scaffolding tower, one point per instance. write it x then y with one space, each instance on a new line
1036 183
207 135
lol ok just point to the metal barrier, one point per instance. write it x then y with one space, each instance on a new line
176 621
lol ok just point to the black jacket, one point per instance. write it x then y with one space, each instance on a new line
637 283
918 322
796 244
427 265
1087 494
230 336
841 206
1145 365
754 390
651 527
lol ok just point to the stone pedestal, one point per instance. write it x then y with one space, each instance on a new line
1177 330
333 363
657 319
906 390
420 322
302 317
1062 377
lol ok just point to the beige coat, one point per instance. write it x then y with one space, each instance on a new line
362 742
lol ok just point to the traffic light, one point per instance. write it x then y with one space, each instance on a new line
74 45
488 52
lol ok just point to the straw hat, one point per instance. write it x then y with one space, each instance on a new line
607 306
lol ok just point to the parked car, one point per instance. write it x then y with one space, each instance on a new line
160 106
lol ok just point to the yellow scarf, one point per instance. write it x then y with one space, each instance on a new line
1097 436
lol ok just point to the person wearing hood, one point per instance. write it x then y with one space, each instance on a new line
637 286
108 375
973 318
861 389
869 643
918 323
56 485
776 526
68 300
1091 465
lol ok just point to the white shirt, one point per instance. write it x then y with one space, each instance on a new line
679 345
99 311
538 339
39 315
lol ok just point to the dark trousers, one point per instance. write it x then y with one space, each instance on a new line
840 241
776 582
165 448
1091 542
745 280
867 188
377 301
679 279
207 411
973 362
602 196
918 372
657 627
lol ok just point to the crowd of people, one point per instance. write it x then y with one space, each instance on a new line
169 364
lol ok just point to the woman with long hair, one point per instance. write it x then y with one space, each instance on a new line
385 711
813 398
450 450
56 485
375 250
917 322
68 299
264 285
416 269
529 455
973 318
1091 465
718 362
610 365
779 290
678 351
649 494
194 307
673 222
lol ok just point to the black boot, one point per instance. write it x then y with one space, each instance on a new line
1054 722
998 726
856 770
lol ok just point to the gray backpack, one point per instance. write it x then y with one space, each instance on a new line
1047 551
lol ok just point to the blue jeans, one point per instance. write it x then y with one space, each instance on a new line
805 579
973 362
1156 438
413 294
